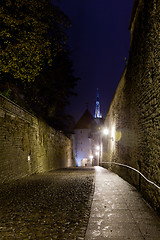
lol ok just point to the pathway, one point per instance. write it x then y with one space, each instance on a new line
119 212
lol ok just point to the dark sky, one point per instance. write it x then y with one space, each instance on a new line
99 40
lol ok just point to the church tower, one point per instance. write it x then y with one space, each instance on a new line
97 109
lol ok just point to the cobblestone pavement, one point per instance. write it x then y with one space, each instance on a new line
119 212
52 205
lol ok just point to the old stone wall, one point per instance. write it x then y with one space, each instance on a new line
134 115
28 145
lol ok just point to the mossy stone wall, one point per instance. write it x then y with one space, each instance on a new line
28 145
134 114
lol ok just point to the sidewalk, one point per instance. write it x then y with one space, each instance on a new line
119 212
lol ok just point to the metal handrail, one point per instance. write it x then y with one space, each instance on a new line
124 165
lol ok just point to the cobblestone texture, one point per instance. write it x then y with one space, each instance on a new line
53 205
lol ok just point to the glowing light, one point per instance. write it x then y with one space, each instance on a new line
97 153
105 131
113 133
118 136
29 158
97 147
91 157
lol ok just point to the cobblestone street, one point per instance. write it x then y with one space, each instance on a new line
53 205
75 204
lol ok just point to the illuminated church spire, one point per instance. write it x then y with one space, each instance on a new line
97 109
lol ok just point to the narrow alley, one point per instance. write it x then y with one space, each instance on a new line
75 203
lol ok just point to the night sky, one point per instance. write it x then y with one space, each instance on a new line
99 40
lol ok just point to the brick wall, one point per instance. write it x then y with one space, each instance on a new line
28 145
134 114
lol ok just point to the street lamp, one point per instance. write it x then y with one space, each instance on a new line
97 147
105 131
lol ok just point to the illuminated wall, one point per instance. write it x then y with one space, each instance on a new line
134 115
28 145
82 145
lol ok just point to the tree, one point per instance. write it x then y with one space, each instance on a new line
49 94
35 68
32 32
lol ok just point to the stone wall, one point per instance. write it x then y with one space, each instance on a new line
134 114
28 145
